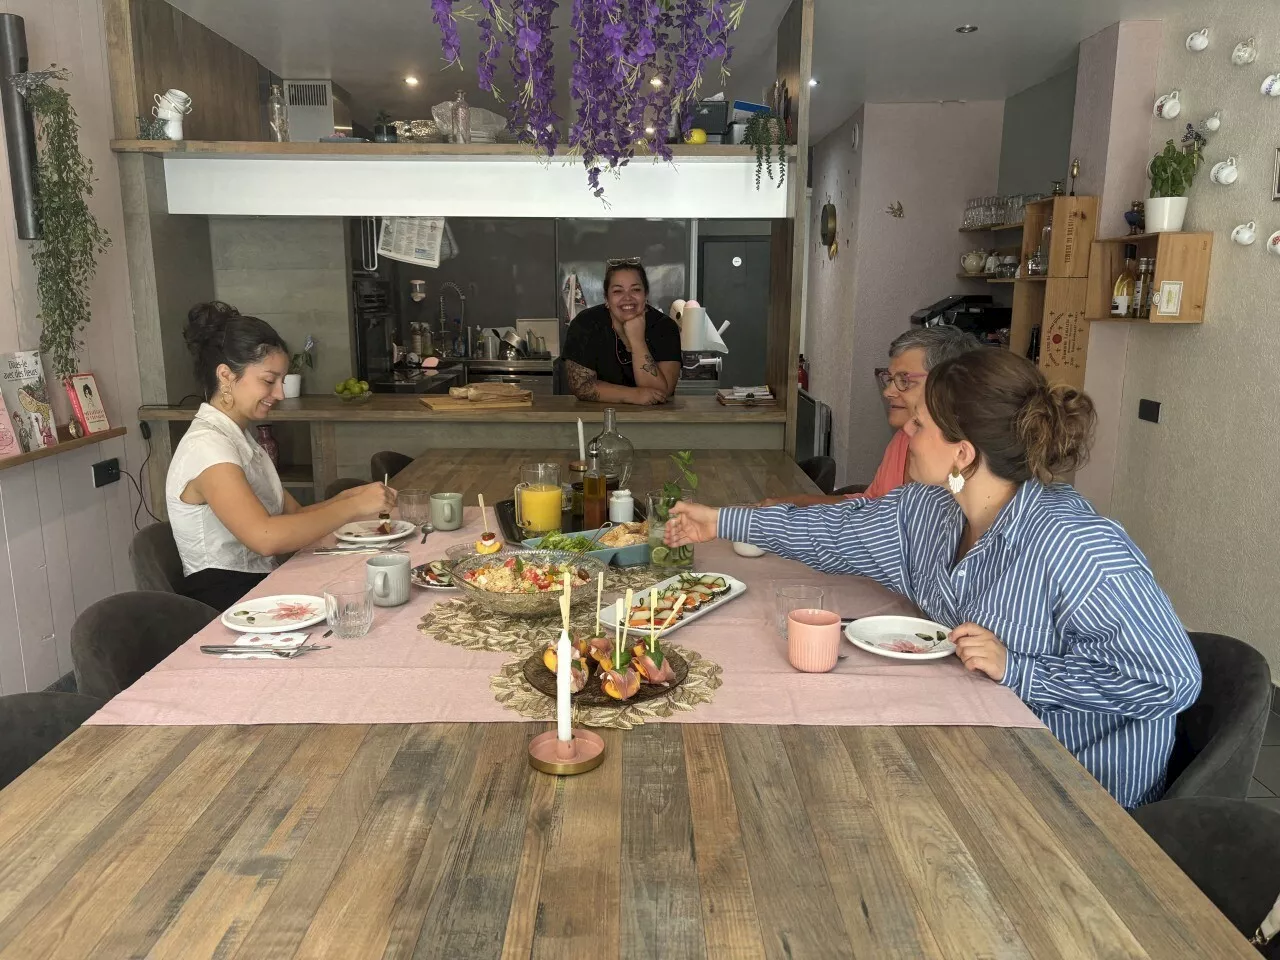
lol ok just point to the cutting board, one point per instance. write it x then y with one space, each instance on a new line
454 404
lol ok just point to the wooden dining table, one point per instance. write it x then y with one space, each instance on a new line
690 840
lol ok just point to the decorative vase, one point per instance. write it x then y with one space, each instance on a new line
1165 214
292 385
268 443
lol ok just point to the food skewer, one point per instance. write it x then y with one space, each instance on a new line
617 644
488 542
599 595
384 518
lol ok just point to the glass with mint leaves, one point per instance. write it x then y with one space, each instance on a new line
661 501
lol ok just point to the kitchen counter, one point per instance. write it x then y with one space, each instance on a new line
345 434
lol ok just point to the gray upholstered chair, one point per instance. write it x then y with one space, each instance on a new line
154 558
822 471
1218 737
120 638
342 483
32 724
1229 848
387 463
851 488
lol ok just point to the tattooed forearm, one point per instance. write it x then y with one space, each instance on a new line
582 381
650 366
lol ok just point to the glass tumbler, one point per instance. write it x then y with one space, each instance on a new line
795 596
414 505
349 606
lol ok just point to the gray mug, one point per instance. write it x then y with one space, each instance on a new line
388 579
446 511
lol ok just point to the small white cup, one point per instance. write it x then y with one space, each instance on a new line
1224 172
165 113
175 99
1198 41
388 577
1244 53
1271 85
1211 124
1245 234
1273 243
1168 106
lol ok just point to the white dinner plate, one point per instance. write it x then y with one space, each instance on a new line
280 614
366 531
892 636
609 615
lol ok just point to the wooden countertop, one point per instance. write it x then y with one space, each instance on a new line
389 407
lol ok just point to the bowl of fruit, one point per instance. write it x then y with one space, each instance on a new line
352 390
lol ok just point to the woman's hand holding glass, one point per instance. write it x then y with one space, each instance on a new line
691 523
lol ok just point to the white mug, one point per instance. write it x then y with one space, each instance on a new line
182 106
179 99
166 113
1198 41
1245 233
1244 53
1273 243
1168 106
388 579
1212 124
1224 172
1271 85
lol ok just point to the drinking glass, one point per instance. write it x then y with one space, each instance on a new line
349 606
415 505
660 555
539 498
795 596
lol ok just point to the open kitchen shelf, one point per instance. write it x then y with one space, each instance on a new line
65 444
1180 258
260 148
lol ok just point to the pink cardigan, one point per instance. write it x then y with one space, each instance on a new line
892 471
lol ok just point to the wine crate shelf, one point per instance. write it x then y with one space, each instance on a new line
1180 258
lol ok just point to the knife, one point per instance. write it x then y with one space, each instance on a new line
285 652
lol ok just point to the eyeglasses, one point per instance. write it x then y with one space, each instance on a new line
623 262
902 381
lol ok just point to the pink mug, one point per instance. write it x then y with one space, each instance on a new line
813 640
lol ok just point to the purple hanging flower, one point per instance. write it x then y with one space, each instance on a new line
450 42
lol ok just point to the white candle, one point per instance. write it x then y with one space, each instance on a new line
582 443
564 730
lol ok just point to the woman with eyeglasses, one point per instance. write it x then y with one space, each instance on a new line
911 356
1043 595
623 351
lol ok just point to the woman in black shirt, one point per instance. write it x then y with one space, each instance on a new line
623 351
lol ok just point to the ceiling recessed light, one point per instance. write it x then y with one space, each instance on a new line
967 28
411 81
813 81
655 82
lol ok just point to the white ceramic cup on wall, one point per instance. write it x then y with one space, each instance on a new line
1224 172
1168 106
1245 234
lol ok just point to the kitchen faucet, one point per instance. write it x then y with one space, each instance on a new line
444 319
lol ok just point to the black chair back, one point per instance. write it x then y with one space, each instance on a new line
822 471
154 558
120 638
1218 737
342 483
32 724
387 463
1229 848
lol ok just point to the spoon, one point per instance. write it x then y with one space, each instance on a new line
426 528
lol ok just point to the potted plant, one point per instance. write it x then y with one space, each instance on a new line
71 240
765 130
383 129
1171 171
299 361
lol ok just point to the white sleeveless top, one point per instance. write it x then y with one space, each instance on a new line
202 540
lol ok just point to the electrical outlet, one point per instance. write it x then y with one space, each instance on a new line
1149 410
106 471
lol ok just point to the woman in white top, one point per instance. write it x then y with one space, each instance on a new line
230 515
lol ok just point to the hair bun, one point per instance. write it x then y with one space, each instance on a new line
207 322
1056 427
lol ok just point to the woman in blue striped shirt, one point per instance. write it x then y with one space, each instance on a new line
1046 597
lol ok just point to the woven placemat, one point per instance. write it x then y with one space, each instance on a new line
464 623
513 690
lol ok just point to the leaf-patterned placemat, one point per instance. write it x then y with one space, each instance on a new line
512 690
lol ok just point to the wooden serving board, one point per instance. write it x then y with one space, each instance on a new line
434 402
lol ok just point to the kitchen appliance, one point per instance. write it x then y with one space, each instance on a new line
315 110
976 313
712 116
532 375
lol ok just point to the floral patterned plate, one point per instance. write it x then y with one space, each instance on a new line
902 638
370 531
281 614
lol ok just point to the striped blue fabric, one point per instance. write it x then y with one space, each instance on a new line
1095 649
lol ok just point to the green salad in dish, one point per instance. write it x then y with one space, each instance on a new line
563 541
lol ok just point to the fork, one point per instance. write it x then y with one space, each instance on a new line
284 653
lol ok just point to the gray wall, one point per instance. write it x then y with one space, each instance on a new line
1037 134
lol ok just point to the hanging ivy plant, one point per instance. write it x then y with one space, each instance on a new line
71 240
637 69
765 131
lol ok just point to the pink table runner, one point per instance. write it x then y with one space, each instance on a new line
396 674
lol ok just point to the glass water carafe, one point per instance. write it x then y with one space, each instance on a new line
617 454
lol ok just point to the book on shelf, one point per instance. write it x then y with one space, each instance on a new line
86 403
745 396
8 439
26 400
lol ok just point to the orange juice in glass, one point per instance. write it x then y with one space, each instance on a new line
538 499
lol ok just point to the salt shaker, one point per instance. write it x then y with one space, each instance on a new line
622 507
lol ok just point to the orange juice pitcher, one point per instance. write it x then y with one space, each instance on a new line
538 499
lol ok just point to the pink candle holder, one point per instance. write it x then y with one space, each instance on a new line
565 758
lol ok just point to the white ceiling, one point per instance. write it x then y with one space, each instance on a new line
865 50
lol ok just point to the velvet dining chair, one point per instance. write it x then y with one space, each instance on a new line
822 471
32 724
153 555
387 463
119 638
342 483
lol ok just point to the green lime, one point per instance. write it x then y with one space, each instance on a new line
364 386
660 554
339 386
